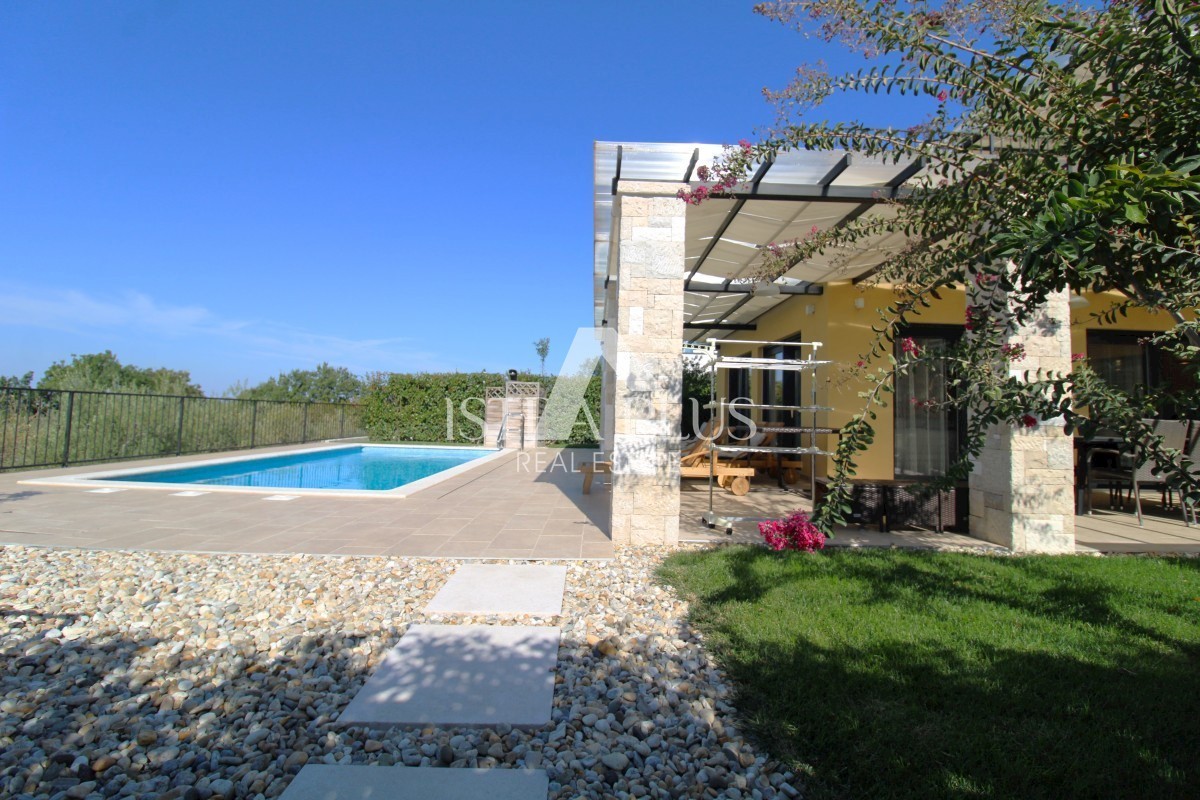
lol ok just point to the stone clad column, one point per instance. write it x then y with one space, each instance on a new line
648 363
1023 487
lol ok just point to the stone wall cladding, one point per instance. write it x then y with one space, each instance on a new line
1022 492
647 364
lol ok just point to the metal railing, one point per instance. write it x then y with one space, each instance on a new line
51 427
502 434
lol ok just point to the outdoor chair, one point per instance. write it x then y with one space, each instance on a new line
1192 467
1133 470
706 429
763 437
700 461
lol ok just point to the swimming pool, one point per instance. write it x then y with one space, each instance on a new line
348 469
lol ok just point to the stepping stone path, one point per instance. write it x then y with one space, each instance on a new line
502 590
461 675
327 782
457 675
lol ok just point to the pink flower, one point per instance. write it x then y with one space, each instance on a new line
1013 352
860 364
909 347
973 317
795 532
815 230
1078 356
702 172
943 95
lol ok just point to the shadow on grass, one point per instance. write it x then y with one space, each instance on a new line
891 674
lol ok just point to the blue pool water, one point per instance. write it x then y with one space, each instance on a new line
365 467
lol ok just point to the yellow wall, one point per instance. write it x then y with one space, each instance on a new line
1138 319
846 335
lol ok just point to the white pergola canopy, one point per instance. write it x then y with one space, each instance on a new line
781 201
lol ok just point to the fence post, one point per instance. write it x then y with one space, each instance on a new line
66 458
179 434
253 421
342 424
304 433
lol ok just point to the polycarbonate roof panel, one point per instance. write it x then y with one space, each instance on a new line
870 171
757 222
803 168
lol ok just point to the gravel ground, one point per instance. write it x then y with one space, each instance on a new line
133 674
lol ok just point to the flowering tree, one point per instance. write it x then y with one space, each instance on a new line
1061 153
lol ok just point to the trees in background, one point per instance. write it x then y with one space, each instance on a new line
325 384
1060 153
542 347
103 372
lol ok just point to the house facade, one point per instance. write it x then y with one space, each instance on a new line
667 273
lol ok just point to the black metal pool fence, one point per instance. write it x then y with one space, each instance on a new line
51 427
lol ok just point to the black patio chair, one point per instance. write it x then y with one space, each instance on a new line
1133 470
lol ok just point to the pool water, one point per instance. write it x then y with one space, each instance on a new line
362 467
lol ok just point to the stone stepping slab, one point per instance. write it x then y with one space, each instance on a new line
332 782
461 675
503 590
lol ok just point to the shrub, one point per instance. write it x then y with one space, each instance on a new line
795 532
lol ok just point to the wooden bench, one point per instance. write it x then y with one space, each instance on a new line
591 470
735 479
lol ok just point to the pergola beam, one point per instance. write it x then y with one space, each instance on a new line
748 288
720 326
816 192
838 168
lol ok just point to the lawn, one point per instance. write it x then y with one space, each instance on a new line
890 674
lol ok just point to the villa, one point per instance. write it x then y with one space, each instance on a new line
668 273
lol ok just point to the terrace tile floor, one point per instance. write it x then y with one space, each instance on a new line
1105 531
527 505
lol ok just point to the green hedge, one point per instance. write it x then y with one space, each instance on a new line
405 407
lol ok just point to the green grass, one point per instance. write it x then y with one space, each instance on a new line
889 674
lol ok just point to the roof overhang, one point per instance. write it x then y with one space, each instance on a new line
782 200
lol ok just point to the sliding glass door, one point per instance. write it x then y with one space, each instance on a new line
928 438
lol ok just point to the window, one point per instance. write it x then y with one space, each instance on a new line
781 388
739 384
927 439
1120 358
738 390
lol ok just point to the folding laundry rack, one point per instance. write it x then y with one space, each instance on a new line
710 353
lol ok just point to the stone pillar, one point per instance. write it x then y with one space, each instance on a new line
1023 487
648 364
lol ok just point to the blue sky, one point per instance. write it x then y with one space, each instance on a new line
239 189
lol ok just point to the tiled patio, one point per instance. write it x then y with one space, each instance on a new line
1104 531
528 504
524 505
1116 531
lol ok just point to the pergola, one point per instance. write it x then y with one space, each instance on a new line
783 200
666 272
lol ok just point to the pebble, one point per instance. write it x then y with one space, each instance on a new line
199 677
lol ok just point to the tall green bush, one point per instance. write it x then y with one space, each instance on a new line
439 406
